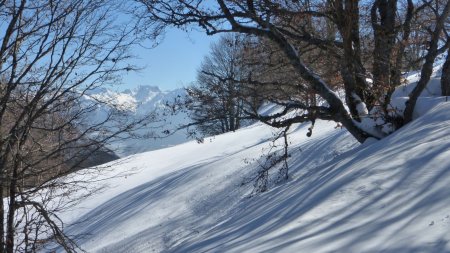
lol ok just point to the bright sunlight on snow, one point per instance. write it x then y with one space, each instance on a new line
390 195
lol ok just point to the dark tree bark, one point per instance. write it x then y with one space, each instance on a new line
398 66
445 78
427 68
383 17
352 71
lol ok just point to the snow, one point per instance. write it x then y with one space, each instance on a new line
390 195
137 103
121 101
361 107
427 99
383 196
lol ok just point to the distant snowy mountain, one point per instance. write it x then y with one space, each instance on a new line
136 103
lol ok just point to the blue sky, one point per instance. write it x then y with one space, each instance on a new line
173 63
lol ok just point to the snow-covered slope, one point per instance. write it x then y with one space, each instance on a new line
388 196
137 103
429 97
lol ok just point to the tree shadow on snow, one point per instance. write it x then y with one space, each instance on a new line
344 204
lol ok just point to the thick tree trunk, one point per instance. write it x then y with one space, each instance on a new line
445 78
335 103
352 70
383 15
427 68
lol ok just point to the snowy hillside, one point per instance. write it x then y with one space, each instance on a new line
137 103
387 196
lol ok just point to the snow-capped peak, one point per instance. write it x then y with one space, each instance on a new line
137 103
143 93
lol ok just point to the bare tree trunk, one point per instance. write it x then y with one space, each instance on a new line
11 213
406 27
352 70
2 208
445 77
16 14
427 68
383 15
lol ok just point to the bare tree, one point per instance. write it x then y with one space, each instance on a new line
445 80
52 54
344 41
216 101
440 11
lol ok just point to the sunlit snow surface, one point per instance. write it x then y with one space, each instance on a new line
391 195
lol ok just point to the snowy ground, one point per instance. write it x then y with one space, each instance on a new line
391 195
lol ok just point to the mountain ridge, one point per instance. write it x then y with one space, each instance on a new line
137 103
